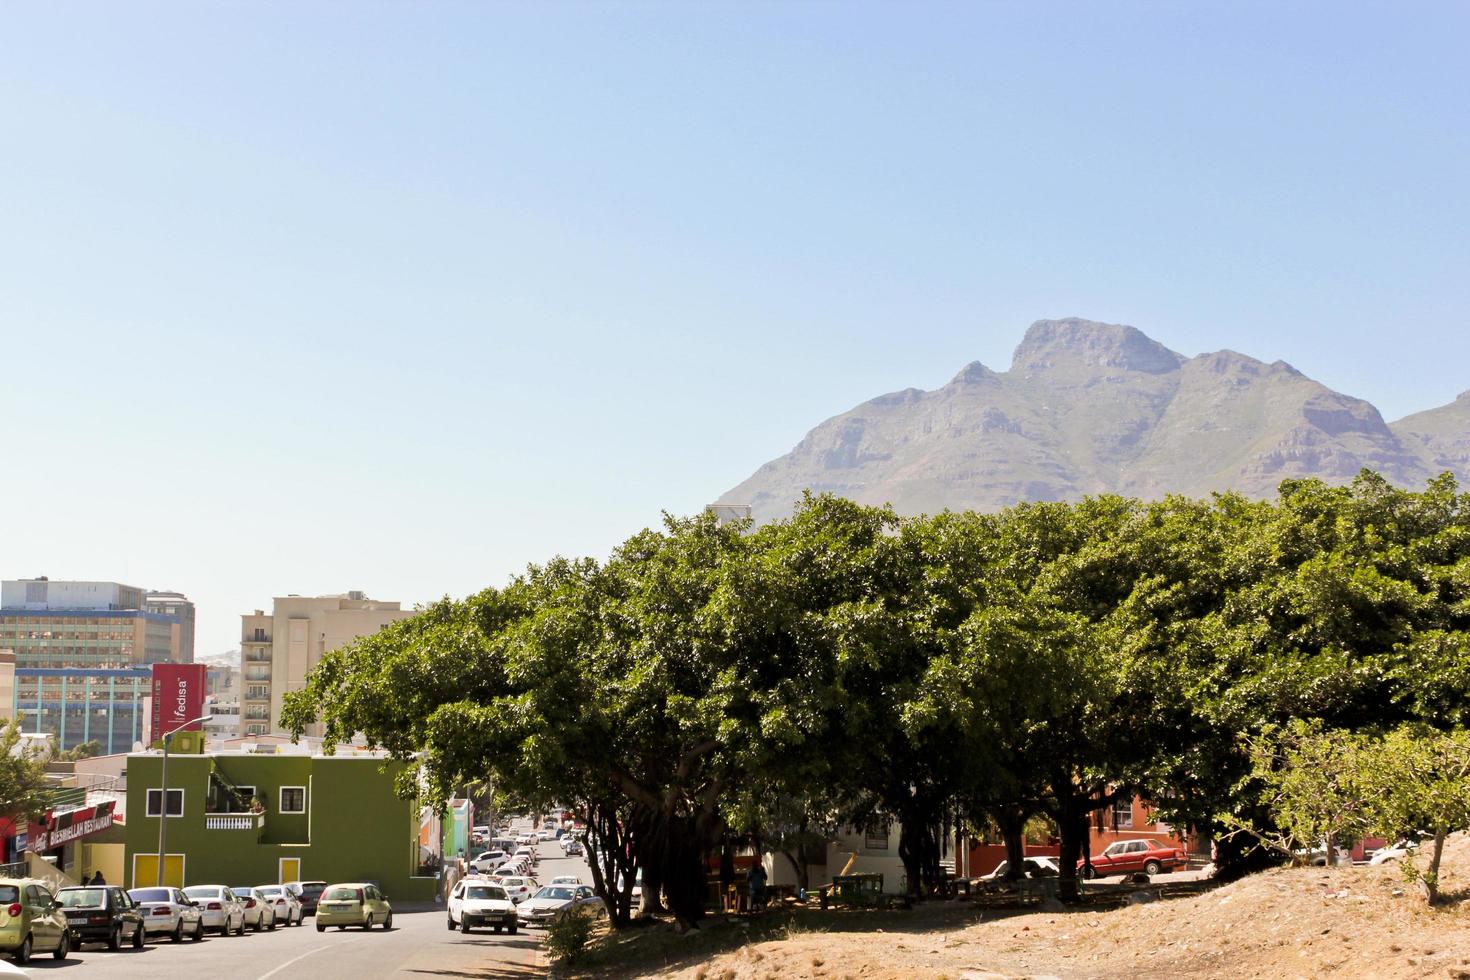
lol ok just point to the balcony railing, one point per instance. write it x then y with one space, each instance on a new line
234 821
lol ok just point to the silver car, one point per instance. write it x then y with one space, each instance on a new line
221 910
555 901
169 912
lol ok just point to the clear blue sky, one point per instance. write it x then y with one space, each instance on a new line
306 297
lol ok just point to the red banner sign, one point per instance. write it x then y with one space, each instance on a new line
178 696
63 828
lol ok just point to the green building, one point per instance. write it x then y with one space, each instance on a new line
331 818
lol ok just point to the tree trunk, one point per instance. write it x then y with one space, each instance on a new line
1431 879
1012 823
1072 821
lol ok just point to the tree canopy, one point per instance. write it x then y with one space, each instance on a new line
851 666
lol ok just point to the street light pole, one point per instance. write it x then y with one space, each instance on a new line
163 793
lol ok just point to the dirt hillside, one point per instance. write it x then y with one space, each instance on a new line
1303 922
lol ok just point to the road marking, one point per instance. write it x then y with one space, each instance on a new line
295 960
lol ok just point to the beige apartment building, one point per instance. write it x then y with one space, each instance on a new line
278 648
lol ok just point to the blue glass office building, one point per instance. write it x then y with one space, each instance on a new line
80 705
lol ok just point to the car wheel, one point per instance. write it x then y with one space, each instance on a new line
114 939
451 923
272 926
511 930
1089 872
388 922
367 923
177 936
140 938
320 927
1152 868
23 952
199 931
64 949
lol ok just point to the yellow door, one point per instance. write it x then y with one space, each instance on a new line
145 870
290 870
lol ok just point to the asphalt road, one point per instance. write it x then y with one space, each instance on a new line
419 945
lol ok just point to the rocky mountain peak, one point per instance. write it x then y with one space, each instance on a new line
1097 407
1085 343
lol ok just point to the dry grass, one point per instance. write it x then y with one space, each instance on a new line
1304 922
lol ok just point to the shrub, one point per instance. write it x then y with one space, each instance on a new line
567 936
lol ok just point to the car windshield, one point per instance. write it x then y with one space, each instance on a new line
148 895
202 891
243 892
565 894
77 898
270 890
485 893
341 893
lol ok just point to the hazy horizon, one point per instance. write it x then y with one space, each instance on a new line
307 297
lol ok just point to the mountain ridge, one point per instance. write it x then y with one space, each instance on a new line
1089 407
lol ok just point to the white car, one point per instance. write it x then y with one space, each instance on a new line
283 903
565 880
488 862
529 853
1394 852
168 911
481 902
554 901
1036 866
545 835
518 887
259 913
220 909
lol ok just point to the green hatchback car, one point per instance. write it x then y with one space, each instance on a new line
31 921
353 904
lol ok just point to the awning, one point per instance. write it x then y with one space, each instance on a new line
65 826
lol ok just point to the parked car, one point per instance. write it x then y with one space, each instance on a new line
1396 851
554 901
1036 866
284 904
102 914
222 911
518 887
565 880
308 893
572 847
31 921
488 862
259 914
169 912
480 902
529 853
1131 856
353 904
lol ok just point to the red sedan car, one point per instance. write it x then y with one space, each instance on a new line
1126 857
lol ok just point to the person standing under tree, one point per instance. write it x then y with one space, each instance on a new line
757 880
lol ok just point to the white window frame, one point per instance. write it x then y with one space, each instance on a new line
148 810
281 800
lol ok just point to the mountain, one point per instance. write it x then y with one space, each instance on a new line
1441 435
1090 408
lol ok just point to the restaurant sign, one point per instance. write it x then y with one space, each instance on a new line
63 828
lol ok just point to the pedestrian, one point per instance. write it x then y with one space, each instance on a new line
97 879
757 880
